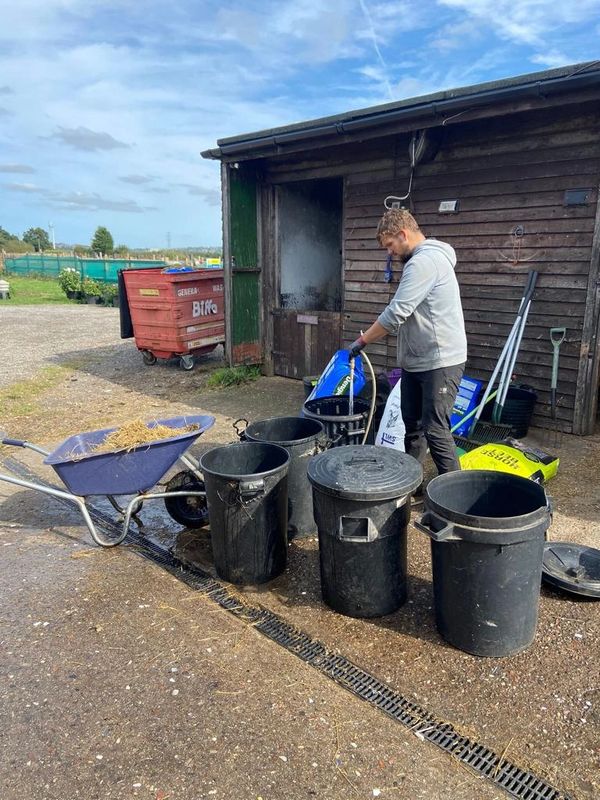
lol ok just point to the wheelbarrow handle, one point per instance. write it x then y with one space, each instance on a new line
21 443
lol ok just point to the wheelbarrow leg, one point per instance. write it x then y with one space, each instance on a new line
98 537
155 496
122 511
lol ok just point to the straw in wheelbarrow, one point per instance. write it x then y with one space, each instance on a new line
136 433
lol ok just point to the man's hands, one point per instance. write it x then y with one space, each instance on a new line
357 346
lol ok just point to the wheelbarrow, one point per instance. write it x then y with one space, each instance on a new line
87 473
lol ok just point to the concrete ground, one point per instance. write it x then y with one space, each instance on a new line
120 681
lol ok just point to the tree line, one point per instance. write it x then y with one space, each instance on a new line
36 240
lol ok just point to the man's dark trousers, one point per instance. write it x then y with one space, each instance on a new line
427 402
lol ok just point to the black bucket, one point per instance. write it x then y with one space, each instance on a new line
302 438
517 411
362 507
246 492
487 533
341 427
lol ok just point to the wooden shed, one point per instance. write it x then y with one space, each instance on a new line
506 172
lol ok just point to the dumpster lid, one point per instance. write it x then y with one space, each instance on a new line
365 472
572 567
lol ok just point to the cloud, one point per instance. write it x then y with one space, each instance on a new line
527 21
4 112
551 59
22 169
29 188
211 196
80 201
85 139
6 90
156 190
137 180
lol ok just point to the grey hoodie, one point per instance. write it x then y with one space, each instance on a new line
426 311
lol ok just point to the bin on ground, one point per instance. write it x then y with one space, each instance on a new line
487 533
173 313
302 438
246 493
362 507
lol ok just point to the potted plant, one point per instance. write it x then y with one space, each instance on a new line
70 282
110 294
91 290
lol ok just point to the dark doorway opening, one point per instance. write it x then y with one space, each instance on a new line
307 327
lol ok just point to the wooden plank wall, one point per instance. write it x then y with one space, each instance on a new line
506 172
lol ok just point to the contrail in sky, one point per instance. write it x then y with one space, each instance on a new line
369 19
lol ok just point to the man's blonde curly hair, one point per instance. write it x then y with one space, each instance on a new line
395 220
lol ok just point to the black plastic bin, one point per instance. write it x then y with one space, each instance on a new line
517 410
302 438
362 507
246 493
487 533
341 427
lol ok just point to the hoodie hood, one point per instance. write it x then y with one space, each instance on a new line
434 247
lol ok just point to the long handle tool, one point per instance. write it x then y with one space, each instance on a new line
504 355
512 358
557 337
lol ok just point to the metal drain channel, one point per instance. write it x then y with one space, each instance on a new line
518 782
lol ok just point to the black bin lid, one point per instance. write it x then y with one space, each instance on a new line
572 567
365 472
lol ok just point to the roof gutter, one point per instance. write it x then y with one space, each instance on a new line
438 110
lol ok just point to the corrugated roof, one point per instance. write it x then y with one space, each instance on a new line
439 104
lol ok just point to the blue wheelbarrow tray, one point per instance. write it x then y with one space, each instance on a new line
121 472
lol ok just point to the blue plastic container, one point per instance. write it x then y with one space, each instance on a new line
335 379
466 400
87 473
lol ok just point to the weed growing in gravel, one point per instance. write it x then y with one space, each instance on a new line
232 376
20 398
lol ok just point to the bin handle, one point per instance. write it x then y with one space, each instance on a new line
236 427
424 524
250 490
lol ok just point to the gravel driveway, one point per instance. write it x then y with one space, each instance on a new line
41 336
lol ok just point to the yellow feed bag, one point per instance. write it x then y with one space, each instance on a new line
527 462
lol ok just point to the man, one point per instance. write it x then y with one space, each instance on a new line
426 313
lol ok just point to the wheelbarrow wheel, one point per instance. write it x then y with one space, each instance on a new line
191 512
148 358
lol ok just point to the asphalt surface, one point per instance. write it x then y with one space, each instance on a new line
96 642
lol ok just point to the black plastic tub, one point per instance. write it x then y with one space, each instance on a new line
487 533
302 438
246 493
362 507
341 427
517 411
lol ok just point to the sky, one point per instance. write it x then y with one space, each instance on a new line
105 105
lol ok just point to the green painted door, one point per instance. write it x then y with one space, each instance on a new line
245 329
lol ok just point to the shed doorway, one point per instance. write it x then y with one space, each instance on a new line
308 303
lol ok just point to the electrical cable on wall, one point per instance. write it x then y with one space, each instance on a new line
413 161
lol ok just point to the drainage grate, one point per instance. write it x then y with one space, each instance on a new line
518 782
